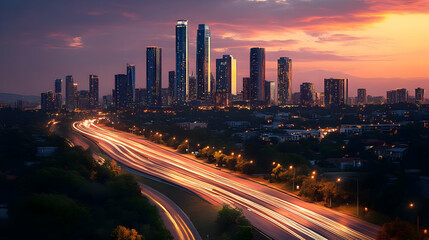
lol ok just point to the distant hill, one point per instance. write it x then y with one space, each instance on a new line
11 98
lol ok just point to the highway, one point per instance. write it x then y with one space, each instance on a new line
277 214
176 221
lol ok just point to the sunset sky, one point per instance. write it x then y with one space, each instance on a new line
377 44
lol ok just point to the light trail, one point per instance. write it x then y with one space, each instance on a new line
287 216
178 223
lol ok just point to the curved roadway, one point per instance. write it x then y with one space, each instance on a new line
277 214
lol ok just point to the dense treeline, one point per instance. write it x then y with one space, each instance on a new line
233 224
67 195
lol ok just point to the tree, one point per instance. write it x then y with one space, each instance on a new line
123 233
397 230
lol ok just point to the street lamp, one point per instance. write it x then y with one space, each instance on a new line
357 193
293 179
418 227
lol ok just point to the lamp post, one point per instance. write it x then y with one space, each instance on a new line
293 179
357 193
418 227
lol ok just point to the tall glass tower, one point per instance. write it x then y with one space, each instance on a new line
284 80
182 62
131 83
257 75
203 62
225 80
70 93
153 76
58 93
93 91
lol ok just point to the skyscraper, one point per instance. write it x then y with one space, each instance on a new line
420 95
246 89
141 97
203 62
76 96
225 80
93 91
402 95
270 93
336 91
84 100
70 94
58 94
307 94
47 101
182 63
153 76
192 88
392 97
361 96
284 80
131 83
257 75
171 86
120 96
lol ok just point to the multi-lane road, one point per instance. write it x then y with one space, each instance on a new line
176 220
277 214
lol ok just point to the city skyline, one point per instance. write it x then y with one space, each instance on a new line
333 53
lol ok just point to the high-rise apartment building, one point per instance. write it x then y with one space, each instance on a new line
336 91
153 76
203 62
402 95
58 97
270 93
70 93
131 83
225 80
93 91
284 81
171 87
181 91
361 96
246 89
193 88
420 95
47 101
120 96
307 94
76 96
257 75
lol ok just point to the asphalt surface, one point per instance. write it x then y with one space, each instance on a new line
277 214
176 221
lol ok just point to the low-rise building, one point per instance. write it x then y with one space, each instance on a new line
357 129
192 125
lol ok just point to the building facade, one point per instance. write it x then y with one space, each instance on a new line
257 75
120 96
361 96
225 80
171 87
270 93
307 94
93 91
181 90
203 62
284 81
70 94
154 75
131 83
420 95
193 88
58 97
336 91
